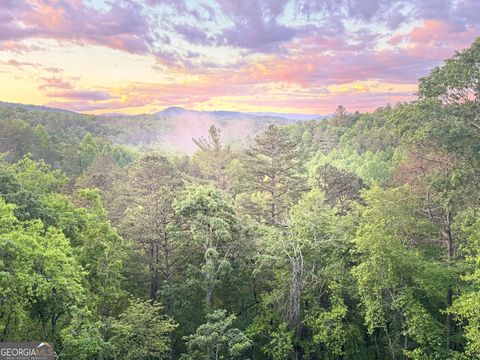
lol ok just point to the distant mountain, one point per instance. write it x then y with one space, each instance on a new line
221 114
291 116
113 115
171 129
175 111
176 126
33 107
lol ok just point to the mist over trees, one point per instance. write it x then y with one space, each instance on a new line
355 237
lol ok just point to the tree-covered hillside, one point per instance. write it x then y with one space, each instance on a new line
60 137
355 237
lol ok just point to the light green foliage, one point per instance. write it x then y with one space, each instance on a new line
60 277
209 213
371 131
355 237
466 307
40 279
141 332
304 260
38 177
397 284
81 338
211 229
29 185
101 252
329 327
313 220
281 344
217 339
372 167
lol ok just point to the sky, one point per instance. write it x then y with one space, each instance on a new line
291 56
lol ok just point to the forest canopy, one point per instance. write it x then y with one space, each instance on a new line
353 237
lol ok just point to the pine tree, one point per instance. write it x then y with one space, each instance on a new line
213 159
275 172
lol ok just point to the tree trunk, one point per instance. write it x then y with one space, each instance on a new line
297 352
166 299
153 272
390 344
297 264
273 220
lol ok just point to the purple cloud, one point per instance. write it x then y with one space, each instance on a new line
123 26
88 95
194 35
260 36
391 12
302 42
255 24
55 82
467 12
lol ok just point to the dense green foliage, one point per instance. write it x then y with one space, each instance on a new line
356 237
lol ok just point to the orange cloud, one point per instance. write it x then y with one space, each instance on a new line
254 63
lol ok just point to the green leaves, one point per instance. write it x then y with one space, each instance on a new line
281 345
466 306
274 172
207 221
82 338
141 332
217 339
329 326
39 277
456 82
398 284
372 167
355 237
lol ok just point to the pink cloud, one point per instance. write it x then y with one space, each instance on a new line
307 68
15 46
55 83
438 34
123 26
84 95
306 48
20 64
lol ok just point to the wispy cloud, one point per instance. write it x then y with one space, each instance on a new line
231 53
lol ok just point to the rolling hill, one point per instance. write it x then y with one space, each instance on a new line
171 129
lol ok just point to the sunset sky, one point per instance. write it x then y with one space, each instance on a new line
303 56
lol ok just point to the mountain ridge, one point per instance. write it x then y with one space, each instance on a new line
177 111
173 111
30 107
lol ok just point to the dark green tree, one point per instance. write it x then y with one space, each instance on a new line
275 174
